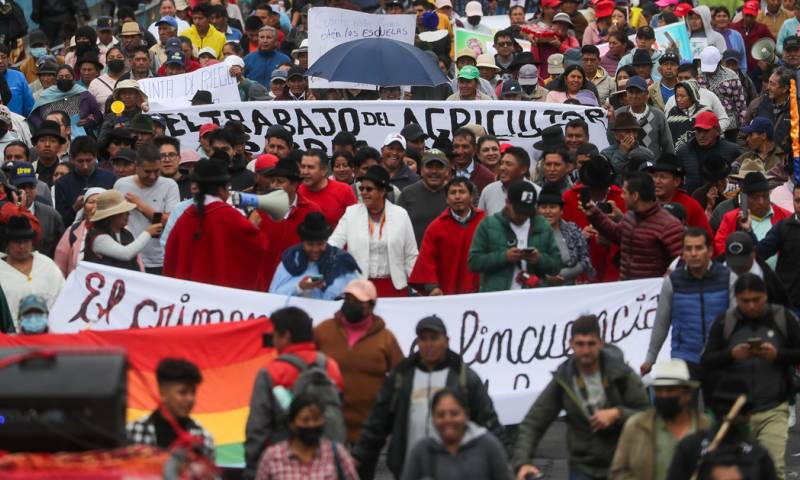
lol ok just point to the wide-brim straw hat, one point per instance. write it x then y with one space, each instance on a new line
110 203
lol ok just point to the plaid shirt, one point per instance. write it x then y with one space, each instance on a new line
279 463
725 84
143 432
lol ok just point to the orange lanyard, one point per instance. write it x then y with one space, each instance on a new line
371 225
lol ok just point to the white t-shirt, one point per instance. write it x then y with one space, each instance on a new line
521 231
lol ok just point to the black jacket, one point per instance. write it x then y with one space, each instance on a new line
692 156
753 460
71 186
52 228
241 177
389 415
784 238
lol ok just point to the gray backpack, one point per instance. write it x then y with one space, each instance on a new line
314 380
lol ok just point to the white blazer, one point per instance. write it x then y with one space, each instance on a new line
353 232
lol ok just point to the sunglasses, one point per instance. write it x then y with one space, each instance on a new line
362 188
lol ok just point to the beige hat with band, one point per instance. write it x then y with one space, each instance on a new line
110 203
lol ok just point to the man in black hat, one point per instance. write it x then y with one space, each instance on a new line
427 199
123 163
47 141
402 407
312 268
663 89
668 178
534 253
296 85
627 147
142 128
284 233
759 217
714 172
741 256
642 63
415 137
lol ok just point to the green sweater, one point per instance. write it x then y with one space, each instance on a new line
494 237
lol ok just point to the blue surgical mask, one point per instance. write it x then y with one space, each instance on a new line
33 323
38 52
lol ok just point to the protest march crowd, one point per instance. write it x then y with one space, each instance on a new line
696 182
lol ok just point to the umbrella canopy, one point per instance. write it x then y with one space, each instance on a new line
378 61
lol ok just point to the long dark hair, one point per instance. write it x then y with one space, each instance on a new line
199 198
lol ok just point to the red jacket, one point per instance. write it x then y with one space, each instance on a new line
758 32
729 225
442 259
481 176
285 374
695 215
229 252
283 234
601 252
649 241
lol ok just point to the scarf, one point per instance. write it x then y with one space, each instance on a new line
53 94
333 263
578 249
165 434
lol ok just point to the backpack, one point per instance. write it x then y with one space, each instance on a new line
314 380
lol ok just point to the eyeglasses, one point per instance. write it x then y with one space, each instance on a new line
169 155
362 188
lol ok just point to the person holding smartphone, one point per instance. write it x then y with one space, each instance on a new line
312 268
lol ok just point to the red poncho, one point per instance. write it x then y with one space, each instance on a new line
443 256
283 234
230 251
601 253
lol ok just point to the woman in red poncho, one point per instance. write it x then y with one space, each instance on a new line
212 242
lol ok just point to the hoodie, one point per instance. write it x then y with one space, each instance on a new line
714 38
681 122
480 456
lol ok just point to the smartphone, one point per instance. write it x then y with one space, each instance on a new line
755 342
605 207
585 196
316 278
528 251
267 341
743 205
157 217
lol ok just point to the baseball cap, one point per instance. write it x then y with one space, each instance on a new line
468 72
431 324
443 4
265 161
363 290
189 156
564 18
528 75
522 196
604 8
646 33
434 155
394 138
473 9
20 173
750 8
636 82
168 20
105 23
676 210
706 121
172 44
738 249
296 71
207 128
760 125
682 10
33 302
791 43
234 61
126 155
669 56
666 3
207 51
572 56
511 87
280 75
730 54
413 132
176 58
555 64
709 59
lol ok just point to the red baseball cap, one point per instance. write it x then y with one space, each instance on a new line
751 8
550 3
682 10
504 147
603 8
265 161
207 128
706 121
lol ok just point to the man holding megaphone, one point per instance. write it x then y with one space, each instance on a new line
214 243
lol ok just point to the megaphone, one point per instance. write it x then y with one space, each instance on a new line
764 49
275 204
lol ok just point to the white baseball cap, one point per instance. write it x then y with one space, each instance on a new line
709 59
395 138
474 9
234 61
443 3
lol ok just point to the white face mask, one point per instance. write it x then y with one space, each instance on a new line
33 323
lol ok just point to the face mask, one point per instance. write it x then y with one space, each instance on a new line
668 407
38 52
64 85
116 66
33 323
528 89
353 312
309 435
3 131
474 21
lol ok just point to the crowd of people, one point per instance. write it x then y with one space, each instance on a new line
695 182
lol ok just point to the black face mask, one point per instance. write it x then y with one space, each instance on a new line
353 312
528 89
116 66
309 435
3 131
64 85
474 21
668 407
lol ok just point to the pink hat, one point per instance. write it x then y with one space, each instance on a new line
666 3
189 156
363 290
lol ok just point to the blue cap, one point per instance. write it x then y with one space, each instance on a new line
20 173
172 43
510 87
32 302
279 75
168 20
760 125
177 58
636 82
